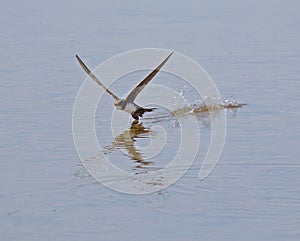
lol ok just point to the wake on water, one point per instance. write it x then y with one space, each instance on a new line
208 105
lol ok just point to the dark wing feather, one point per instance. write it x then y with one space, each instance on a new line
86 69
134 93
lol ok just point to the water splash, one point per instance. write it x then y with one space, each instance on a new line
209 104
232 102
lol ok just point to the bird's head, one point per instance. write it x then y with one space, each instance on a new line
120 104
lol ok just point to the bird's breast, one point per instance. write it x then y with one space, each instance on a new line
129 108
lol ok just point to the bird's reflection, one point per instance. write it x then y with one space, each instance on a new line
127 140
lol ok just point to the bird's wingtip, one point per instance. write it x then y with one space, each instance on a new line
79 59
170 54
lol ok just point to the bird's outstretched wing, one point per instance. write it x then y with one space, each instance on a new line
86 69
134 93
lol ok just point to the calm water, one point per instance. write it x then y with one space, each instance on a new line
250 48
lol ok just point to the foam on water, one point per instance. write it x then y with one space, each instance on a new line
209 104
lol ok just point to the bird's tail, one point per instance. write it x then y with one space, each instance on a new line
140 111
148 109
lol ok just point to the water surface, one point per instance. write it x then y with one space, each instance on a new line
251 49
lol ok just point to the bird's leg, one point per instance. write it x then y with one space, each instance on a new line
135 122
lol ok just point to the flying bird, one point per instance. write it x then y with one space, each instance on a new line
128 104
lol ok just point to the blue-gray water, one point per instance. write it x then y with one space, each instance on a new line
250 48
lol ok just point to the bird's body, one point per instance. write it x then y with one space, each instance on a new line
131 108
128 104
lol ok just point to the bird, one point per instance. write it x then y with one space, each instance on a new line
128 104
